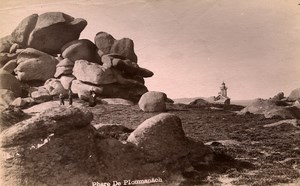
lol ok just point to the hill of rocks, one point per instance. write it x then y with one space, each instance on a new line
44 57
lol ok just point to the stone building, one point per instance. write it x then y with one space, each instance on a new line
222 97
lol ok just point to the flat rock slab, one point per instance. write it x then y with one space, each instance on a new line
46 105
293 122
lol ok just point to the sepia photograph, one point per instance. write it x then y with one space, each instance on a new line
149 93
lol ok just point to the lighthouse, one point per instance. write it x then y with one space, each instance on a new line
222 97
223 90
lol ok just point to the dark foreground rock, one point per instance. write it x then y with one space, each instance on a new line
60 147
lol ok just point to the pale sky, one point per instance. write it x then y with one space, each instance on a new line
192 46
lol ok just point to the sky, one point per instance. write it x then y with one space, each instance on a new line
192 46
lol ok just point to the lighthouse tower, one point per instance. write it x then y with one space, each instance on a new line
223 90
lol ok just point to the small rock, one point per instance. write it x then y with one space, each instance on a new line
14 48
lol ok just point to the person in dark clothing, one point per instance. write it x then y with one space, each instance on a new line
92 99
70 94
61 97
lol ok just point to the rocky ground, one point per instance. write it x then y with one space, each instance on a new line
251 150
273 151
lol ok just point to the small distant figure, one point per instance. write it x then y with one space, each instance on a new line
61 97
70 96
92 99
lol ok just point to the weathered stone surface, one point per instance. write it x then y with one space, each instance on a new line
116 101
153 102
124 47
54 87
5 44
107 44
65 63
8 117
124 65
104 42
53 30
35 65
21 33
83 90
93 73
6 98
131 92
269 109
14 47
9 82
294 95
5 57
64 67
199 102
112 130
58 120
278 96
80 49
20 102
66 81
40 93
10 66
161 137
63 71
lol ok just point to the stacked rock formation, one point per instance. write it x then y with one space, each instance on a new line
107 66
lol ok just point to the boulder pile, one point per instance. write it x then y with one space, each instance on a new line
46 49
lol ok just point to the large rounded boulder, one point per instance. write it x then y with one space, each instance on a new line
161 137
21 34
53 30
124 47
294 95
35 65
107 44
80 49
104 42
56 120
153 102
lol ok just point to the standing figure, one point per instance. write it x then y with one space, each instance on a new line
70 94
61 97
92 99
